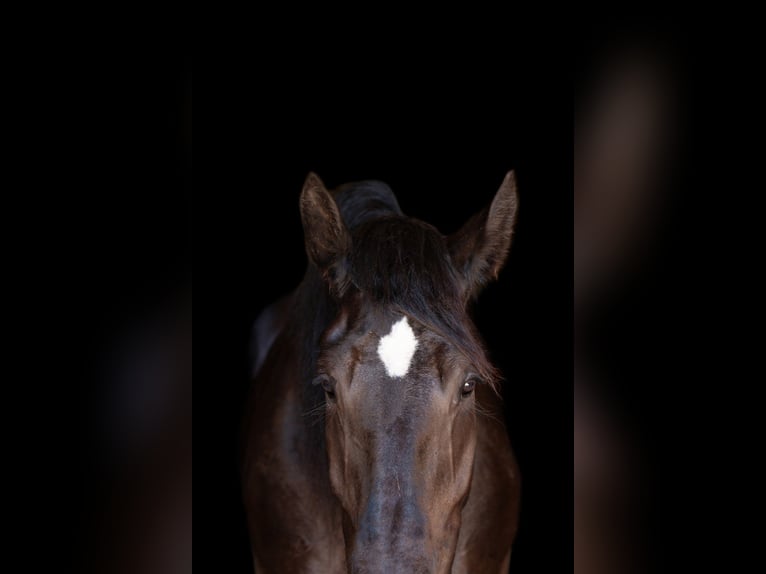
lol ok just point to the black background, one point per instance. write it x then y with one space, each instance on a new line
442 137
454 114
442 132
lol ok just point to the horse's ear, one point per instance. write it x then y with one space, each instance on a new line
480 248
327 240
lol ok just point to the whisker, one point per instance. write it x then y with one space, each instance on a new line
487 413
316 414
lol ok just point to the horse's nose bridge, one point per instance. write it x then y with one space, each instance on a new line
394 465
393 499
394 468
392 528
392 534
398 433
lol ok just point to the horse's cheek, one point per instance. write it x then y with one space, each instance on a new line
336 457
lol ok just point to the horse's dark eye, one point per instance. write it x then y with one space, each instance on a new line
328 384
468 386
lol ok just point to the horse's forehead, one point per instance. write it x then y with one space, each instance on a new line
397 348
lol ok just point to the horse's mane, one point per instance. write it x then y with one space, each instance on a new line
404 263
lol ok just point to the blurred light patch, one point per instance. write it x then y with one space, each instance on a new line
625 140
136 277
142 520
624 135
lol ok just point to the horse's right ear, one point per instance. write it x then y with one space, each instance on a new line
480 248
327 240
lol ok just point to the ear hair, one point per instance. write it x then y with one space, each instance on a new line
328 243
479 249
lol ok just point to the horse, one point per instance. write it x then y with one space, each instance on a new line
374 439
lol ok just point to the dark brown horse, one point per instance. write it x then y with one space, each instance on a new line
374 440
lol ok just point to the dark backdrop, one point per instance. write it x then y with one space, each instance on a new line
443 138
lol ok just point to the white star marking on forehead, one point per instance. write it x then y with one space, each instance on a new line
397 348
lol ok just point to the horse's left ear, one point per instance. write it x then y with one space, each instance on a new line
327 240
481 247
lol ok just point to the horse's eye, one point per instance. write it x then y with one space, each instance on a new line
468 386
328 384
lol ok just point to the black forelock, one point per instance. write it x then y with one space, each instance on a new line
404 263
363 201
